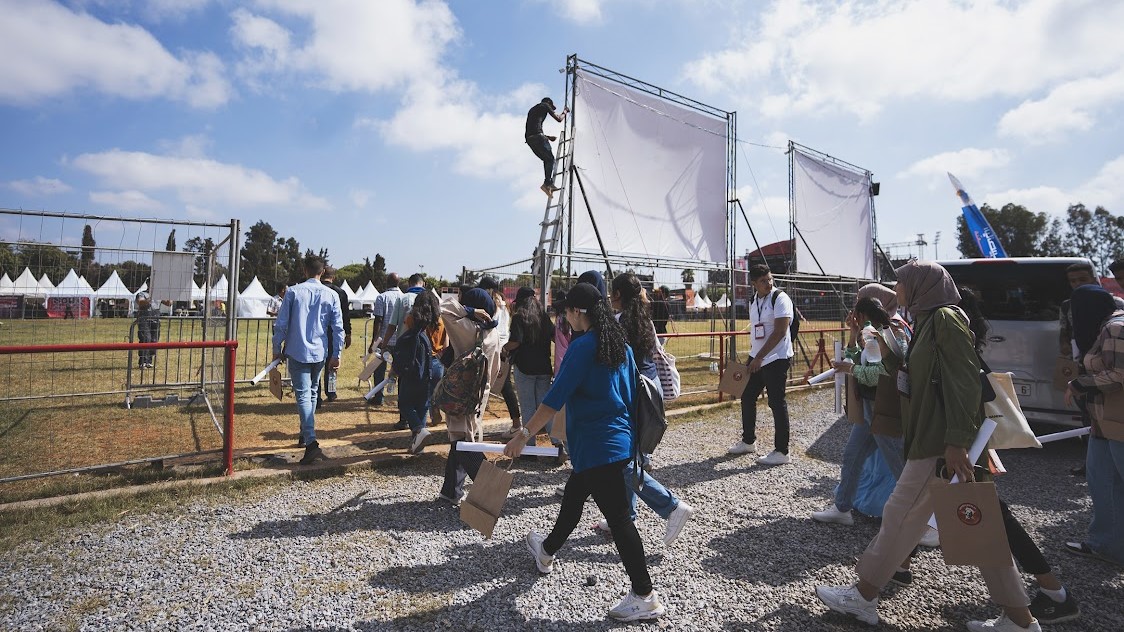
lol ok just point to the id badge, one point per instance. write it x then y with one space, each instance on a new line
759 331
903 382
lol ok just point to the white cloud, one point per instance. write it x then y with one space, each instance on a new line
965 163
198 181
132 201
1071 107
359 197
52 51
580 11
38 186
160 10
805 56
352 44
1106 189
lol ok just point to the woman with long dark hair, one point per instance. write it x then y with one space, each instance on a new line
417 369
941 415
597 384
529 349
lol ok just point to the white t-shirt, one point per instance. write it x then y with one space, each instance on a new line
761 310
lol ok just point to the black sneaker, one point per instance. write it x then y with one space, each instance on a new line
401 425
902 578
312 453
1046 610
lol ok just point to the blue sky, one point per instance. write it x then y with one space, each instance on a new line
395 126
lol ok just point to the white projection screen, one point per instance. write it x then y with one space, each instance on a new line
654 173
832 212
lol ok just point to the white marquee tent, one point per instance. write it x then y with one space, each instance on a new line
220 289
5 284
69 288
86 284
113 288
26 285
45 283
253 301
365 297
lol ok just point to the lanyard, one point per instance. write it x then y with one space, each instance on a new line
759 304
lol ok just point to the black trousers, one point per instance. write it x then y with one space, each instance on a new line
509 398
607 487
771 378
1025 551
459 465
541 146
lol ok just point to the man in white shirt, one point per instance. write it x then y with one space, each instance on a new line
385 310
770 354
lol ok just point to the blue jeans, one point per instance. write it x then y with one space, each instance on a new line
656 496
1104 471
414 400
306 375
860 445
531 390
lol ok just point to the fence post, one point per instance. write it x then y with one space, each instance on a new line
721 362
228 409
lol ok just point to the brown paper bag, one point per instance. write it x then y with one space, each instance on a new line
369 368
1111 422
481 509
971 525
275 384
1064 371
734 378
887 408
558 427
854 403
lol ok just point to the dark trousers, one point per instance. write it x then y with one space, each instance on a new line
1025 551
148 330
541 146
771 378
607 487
509 398
459 465
378 376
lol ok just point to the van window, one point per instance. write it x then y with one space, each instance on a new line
1015 291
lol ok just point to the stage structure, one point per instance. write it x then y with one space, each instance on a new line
831 215
646 179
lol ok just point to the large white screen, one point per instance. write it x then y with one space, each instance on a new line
654 172
833 215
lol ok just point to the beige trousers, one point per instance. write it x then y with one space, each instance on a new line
905 519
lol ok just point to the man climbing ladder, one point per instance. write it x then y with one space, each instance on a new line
540 142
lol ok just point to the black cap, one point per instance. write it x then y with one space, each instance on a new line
549 102
583 296
488 283
524 293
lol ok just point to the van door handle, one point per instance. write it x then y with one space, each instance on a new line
996 339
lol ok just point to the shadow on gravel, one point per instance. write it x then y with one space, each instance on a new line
775 552
684 475
795 617
829 446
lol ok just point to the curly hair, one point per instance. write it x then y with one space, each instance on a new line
611 340
425 311
528 312
872 309
635 315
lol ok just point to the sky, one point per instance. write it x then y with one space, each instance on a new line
396 126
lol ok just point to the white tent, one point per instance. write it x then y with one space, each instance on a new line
60 298
197 293
86 284
253 301
700 302
722 302
5 284
347 290
142 288
220 289
365 297
27 285
71 285
113 288
45 283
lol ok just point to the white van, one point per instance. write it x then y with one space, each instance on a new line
1021 297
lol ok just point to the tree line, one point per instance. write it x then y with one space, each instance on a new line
1096 234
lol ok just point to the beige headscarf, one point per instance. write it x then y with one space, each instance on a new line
926 286
885 295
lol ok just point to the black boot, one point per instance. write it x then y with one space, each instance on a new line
312 452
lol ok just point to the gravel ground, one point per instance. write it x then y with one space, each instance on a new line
374 551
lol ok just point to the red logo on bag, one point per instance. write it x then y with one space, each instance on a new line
969 514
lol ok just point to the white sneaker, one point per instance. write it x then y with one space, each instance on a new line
679 517
848 600
544 562
774 458
560 491
741 447
635 608
603 525
931 539
1003 624
419 439
833 515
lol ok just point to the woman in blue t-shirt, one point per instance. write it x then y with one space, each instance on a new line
597 384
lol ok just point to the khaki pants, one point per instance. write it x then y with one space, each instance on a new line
904 520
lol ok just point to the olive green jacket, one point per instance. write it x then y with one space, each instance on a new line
944 378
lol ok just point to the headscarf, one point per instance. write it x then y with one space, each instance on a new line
1091 305
594 278
885 295
477 298
926 286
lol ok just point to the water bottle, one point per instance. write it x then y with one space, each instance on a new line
331 381
390 386
871 351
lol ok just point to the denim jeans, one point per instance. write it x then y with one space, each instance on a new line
532 389
770 378
148 330
305 376
541 146
1104 471
655 495
860 445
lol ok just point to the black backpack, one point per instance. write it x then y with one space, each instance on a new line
648 419
794 326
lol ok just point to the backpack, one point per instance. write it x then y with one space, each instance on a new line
461 390
794 326
648 420
407 362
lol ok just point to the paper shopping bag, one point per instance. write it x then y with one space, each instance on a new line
734 378
1012 430
275 384
1064 371
971 525
373 363
854 402
481 509
887 408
